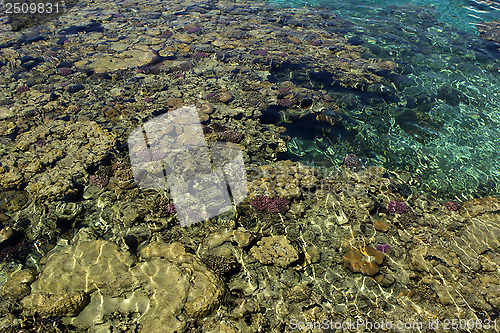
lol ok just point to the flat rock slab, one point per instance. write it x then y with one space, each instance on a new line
95 278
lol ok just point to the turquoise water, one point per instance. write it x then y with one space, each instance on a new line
439 117
412 87
462 14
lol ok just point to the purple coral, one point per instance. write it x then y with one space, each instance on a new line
284 90
98 181
193 30
22 89
261 52
200 55
65 71
147 155
285 102
351 161
261 202
397 207
277 205
40 143
274 205
452 206
171 208
383 248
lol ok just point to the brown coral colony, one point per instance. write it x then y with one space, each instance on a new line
365 260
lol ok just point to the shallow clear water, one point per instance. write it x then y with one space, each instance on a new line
440 117
462 14
93 240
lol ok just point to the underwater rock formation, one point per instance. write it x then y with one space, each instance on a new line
275 250
365 260
167 282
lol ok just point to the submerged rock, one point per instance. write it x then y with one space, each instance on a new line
136 56
13 200
169 285
56 305
275 250
18 284
365 260
489 31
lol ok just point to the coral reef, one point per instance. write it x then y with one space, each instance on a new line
275 250
54 171
274 205
452 206
381 226
84 249
13 200
98 181
351 161
5 234
365 260
397 207
219 264
56 305
230 136
285 179
18 284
